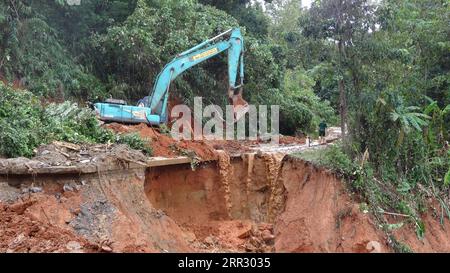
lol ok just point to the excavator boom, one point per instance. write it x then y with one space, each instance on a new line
153 109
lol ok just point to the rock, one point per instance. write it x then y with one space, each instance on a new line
35 189
67 188
190 236
373 247
255 241
255 231
245 234
267 236
159 213
76 211
249 247
210 240
264 226
19 239
106 248
73 246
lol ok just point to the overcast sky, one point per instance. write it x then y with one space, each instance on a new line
306 3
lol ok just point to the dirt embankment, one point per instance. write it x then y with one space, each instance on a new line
259 203
163 145
436 237
109 210
224 205
319 215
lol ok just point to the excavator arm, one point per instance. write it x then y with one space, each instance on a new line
234 46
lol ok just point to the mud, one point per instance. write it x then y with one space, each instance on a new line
223 199
273 163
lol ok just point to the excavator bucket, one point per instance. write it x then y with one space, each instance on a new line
240 106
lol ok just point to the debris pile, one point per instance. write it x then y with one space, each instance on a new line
260 238
22 232
63 157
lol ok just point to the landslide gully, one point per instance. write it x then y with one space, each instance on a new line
263 203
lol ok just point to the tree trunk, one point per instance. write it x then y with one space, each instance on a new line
343 108
342 95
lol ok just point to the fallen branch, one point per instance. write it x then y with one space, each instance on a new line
396 214
67 145
45 214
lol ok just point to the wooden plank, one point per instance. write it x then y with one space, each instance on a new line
162 161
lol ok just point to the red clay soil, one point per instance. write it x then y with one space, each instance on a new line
161 144
22 232
319 215
164 145
110 212
230 236
436 237
286 140
232 146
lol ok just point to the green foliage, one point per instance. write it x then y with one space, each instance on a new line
248 13
447 178
437 131
300 107
134 141
134 52
20 122
331 157
68 122
26 124
33 56
117 48
399 247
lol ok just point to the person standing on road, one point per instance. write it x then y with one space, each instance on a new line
322 129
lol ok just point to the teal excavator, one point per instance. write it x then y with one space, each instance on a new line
153 110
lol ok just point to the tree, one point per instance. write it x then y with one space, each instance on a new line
342 22
249 14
